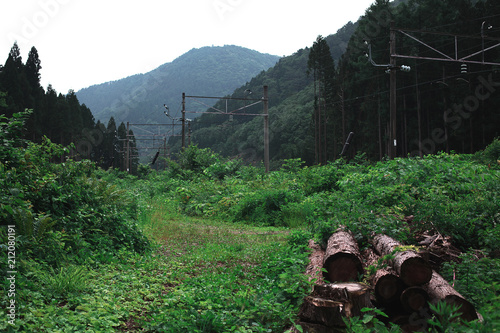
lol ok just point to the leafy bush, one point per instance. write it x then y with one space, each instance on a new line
219 169
472 277
61 208
491 154
263 207
320 178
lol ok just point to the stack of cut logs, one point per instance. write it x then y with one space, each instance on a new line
403 289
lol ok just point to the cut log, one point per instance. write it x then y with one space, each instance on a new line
316 258
342 258
387 287
440 290
414 299
411 267
354 296
322 311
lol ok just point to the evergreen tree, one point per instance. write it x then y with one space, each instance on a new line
110 145
323 68
33 67
13 82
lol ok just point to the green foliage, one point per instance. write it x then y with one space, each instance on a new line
263 207
65 280
11 130
61 209
320 179
446 316
491 154
30 227
208 275
299 238
474 278
194 162
234 299
370 322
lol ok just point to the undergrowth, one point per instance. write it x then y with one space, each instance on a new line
210 245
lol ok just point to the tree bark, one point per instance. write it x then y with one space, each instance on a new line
440 290
411 267
316 258
342 258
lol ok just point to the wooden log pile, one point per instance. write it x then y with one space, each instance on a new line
403 288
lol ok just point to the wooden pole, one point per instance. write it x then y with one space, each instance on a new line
393 100
266 129
183 121
127 159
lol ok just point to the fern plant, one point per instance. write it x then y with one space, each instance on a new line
32 227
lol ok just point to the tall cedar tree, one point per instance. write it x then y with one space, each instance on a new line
321 65
61 118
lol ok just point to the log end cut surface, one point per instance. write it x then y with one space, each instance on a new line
467 310
415 271
322 311
414 299
343 267
388 288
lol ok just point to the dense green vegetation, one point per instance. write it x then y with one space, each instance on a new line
211 245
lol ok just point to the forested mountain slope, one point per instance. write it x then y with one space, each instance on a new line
213 71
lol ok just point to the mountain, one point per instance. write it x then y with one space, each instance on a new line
206 71
291 99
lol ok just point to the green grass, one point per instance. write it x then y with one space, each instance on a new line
202 276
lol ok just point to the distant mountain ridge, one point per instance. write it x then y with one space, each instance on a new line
210 71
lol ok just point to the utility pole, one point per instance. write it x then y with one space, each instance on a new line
183 128
391 68
264 113
266 129
127 159
392 97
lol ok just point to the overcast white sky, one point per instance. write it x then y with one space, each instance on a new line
86 42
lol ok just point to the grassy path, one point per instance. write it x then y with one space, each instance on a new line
218 277
202 276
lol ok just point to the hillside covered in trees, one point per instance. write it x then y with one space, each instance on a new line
211 71
317 97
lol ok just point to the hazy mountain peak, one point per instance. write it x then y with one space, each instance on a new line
210 70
